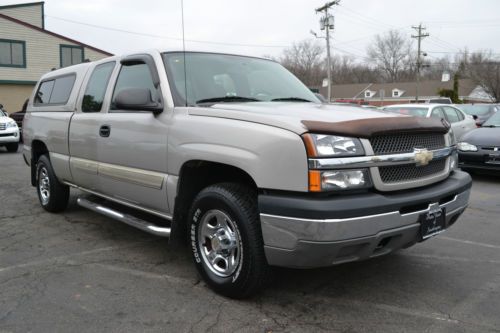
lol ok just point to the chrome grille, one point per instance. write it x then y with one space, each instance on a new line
405 143
3 127
410 172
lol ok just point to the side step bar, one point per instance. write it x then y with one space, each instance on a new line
125 218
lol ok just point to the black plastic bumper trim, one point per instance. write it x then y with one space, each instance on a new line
361 204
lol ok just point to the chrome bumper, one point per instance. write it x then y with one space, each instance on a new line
308 243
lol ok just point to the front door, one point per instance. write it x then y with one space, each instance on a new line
132 145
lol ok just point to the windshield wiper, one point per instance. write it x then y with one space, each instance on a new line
228 99
291 99
491 126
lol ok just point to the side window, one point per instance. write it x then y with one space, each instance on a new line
438 113
451 114
460 115
96 87
56 91
134 76
43 93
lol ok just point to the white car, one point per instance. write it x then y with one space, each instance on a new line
9 132
461 122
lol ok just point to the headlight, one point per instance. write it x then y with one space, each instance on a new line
464 146
338 180
451 138
11 124
454 161
321 145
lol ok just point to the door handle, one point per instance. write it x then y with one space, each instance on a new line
105 131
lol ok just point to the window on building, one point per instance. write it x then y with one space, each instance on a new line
395 93
368 94
96 88
55 91
12 53
71 55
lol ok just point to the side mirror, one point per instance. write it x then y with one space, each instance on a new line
137 99
474 117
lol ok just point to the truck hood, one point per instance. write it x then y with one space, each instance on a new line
321 118
5 120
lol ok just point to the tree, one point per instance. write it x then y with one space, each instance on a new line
392 54
484 69
305 59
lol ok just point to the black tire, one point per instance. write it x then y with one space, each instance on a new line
239 204
12 147
58 194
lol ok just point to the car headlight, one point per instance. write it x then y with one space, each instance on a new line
11 124
328 180
451 138
465 146
322 145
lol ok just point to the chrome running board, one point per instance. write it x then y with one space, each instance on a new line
125 218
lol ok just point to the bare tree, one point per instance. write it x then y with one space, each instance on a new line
484 68
391 53
305 59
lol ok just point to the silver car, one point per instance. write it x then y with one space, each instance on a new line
461 122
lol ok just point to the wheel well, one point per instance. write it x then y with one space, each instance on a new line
195 176
38 148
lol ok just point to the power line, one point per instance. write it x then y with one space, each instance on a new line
163 37
419 37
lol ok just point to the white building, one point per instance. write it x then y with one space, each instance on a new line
28 50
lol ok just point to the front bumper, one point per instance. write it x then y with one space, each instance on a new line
313 232
10 135
480 160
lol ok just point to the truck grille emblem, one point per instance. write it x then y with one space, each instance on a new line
422 156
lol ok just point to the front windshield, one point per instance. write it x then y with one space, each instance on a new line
494 121
417 112
475 110
220 77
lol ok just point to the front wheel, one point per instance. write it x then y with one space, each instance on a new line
226 240
53 195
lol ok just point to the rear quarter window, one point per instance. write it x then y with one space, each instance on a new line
55 91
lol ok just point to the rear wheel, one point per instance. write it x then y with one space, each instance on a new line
53 195
12 147
226 240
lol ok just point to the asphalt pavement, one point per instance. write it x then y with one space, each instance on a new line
82 272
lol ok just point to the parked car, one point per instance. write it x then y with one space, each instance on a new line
480 112
460 123
9 133
480 148
236 156
19 116
441 100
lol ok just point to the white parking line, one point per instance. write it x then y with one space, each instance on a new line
446 258
62 258
491 246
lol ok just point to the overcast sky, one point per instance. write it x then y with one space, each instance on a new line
265 27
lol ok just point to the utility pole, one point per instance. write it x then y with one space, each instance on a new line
419 37
327 24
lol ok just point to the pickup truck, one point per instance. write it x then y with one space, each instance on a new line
9 132
235 157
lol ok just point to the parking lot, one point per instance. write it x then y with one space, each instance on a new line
79 271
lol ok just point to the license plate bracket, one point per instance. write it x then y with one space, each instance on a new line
433 222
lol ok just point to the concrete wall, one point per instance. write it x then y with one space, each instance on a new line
12 96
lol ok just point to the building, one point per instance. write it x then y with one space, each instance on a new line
404 92
28 50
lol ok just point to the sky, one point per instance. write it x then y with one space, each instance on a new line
266 27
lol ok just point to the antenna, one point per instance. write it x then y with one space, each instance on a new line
184 54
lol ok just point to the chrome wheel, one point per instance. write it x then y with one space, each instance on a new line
44 185
219 243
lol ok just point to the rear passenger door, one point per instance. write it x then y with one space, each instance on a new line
132 144
84 127
456 119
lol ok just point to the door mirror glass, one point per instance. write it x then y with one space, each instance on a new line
137 99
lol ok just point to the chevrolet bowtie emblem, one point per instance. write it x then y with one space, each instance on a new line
422 156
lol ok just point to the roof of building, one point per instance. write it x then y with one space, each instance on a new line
426 88
49 32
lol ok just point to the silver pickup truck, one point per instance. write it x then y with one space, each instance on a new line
234 156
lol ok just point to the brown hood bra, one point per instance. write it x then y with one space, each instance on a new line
366 128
